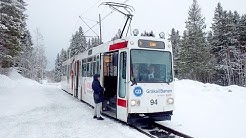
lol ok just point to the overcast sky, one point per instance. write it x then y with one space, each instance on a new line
57 20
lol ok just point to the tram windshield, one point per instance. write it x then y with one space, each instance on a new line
149 66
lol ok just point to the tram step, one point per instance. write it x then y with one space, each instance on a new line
111 108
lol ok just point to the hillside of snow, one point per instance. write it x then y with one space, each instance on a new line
30 109
209 110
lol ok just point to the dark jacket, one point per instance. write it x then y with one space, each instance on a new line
98 89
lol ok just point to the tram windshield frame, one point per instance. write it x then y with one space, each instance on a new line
150 66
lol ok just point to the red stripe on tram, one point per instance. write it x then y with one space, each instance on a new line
118 46
121 102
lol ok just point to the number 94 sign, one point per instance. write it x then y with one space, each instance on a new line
153 102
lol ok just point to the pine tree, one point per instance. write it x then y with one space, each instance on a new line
174 38
226 47
81 40
242 47
78 43
71 49
233 20
182 65
63 57
38 59
12 27
22 60
58 66
194 51
218 43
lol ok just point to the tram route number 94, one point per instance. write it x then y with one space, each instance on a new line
153 102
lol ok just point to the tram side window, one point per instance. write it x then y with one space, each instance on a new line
110 64
94 66
87 69
97 67
124 66
80 67
122 91
84 68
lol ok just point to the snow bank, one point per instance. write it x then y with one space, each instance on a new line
6 82
17 92
209 110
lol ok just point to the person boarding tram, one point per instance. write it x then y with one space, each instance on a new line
98 96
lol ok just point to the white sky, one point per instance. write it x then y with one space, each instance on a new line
57 20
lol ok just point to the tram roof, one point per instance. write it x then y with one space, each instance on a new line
105 47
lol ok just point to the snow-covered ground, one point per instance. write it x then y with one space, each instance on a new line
209 110
30 109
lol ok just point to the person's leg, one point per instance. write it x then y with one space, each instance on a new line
95 110
99 107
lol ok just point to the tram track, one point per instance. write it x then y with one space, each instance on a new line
155 130
152 129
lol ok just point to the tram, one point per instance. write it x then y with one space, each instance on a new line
136 72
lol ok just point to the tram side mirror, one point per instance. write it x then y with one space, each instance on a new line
133 81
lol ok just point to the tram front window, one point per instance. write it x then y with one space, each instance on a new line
151 66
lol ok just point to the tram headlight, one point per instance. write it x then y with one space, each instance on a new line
170 100
135 102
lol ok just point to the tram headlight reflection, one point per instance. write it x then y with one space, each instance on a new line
170 100
135 102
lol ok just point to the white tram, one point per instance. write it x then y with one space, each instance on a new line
133 90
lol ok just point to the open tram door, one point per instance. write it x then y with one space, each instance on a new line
115 83
122 87
109 82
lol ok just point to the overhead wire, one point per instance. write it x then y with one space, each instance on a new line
94 4
104 18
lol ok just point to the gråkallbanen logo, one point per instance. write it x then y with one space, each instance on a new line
138 91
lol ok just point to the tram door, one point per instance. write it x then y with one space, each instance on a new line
76 78
122 82
72 78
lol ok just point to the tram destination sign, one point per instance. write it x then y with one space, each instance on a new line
151 44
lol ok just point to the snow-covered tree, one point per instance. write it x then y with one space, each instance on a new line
78 42
227 48
63 57
22 60
94 42
38 58
242 47
174 38
194 53
81 40
12 27
58 68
